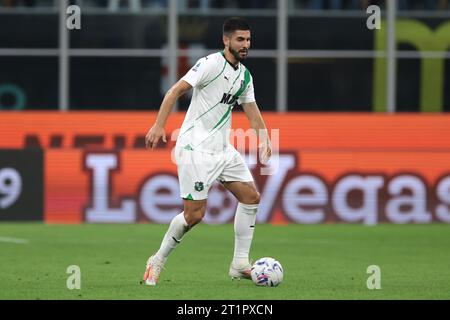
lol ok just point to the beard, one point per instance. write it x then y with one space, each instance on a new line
237 54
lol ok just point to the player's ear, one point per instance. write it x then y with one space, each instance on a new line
226 40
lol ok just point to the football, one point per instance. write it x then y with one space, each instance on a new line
267 272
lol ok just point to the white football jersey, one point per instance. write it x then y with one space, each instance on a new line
218 87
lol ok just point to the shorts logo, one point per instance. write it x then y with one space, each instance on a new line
198 186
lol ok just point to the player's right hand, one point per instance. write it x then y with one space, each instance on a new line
265 152
153 135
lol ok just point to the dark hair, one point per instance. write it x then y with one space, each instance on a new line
235 23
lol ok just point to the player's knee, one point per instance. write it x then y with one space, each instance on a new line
253 198
193 220
194 217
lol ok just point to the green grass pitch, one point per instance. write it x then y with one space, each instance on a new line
320 261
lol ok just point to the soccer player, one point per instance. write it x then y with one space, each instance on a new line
203 152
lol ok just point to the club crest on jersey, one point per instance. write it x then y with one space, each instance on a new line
198 186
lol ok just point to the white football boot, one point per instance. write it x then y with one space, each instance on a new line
153 269
242 271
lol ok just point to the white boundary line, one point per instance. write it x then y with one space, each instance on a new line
14 240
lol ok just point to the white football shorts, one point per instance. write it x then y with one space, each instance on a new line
198 170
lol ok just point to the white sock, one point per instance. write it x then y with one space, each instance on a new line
177 228
244 226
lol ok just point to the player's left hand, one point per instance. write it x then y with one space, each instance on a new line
154 135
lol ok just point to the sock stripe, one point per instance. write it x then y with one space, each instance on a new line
177 241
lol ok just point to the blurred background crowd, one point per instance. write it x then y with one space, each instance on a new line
324 59
257 4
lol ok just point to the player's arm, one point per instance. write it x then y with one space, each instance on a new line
157 131
257 123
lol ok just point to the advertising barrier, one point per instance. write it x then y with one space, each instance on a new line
21 185
326 168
